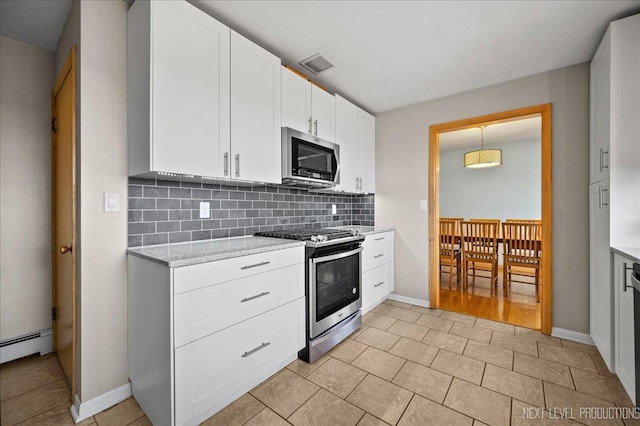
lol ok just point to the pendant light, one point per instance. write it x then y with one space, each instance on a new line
483 158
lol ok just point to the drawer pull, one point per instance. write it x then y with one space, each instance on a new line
379 239
253 351
379 284
380 255
256 265
246 299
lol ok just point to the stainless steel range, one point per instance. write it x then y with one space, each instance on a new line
334 282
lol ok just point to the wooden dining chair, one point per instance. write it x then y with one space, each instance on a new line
479 245
449 248
536 221
522 248
457 220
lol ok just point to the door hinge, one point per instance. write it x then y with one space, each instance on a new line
54 314
53 124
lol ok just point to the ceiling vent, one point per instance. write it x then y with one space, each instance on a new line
316 63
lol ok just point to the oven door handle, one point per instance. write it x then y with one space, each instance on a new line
322 259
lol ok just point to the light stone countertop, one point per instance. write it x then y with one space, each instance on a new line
629 252
367 230
191 253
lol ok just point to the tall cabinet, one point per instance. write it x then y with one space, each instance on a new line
614 199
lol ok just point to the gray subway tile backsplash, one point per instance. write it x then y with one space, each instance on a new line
163 211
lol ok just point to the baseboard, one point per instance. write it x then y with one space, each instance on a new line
572 335
39 342
411 300
84 410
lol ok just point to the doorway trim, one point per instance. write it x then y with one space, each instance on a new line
544 111
68 70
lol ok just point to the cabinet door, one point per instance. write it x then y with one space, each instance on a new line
376 285
190 90
624 328
296 101
323 106
600 111
601 293
347 138
367 151
255 112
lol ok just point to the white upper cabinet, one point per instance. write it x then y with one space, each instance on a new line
178 89
367 151
356 135
347 138
306 107
600 111
296 102
255 112
323 111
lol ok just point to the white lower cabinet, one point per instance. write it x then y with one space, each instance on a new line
213 371
200 336
624 329
377 269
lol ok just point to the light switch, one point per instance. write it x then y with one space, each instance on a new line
111 202
423 204
204 210
334 210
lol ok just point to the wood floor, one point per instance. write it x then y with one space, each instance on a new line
519 308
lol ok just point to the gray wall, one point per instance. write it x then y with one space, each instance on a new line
512 190
163 212
26 78
402 158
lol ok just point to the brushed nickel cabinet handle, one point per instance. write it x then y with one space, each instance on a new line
315 123
255 265
309 124
601 154
625 268
379 284
604 165
246 299
253 351
379 239
380 255
226 164
237 165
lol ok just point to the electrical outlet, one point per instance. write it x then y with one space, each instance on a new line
205 213
334 209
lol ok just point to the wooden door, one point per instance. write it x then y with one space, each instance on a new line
296 101
323 106
190 90
347 138
64 218
367 151
256 135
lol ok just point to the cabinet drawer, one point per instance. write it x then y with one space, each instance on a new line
211 372
193 277
204 311
376 285
378 250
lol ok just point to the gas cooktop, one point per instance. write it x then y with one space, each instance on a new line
326 236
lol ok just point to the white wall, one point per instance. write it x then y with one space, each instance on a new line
26 78
402 176
99 29
512 190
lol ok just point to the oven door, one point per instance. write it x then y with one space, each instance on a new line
335 282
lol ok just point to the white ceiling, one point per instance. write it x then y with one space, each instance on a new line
511 131
35 22
390 54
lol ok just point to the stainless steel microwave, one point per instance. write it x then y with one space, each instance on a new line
309 161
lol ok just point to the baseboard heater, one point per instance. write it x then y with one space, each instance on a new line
17 347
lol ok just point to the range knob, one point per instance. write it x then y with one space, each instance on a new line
354 233
314 238
322 238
